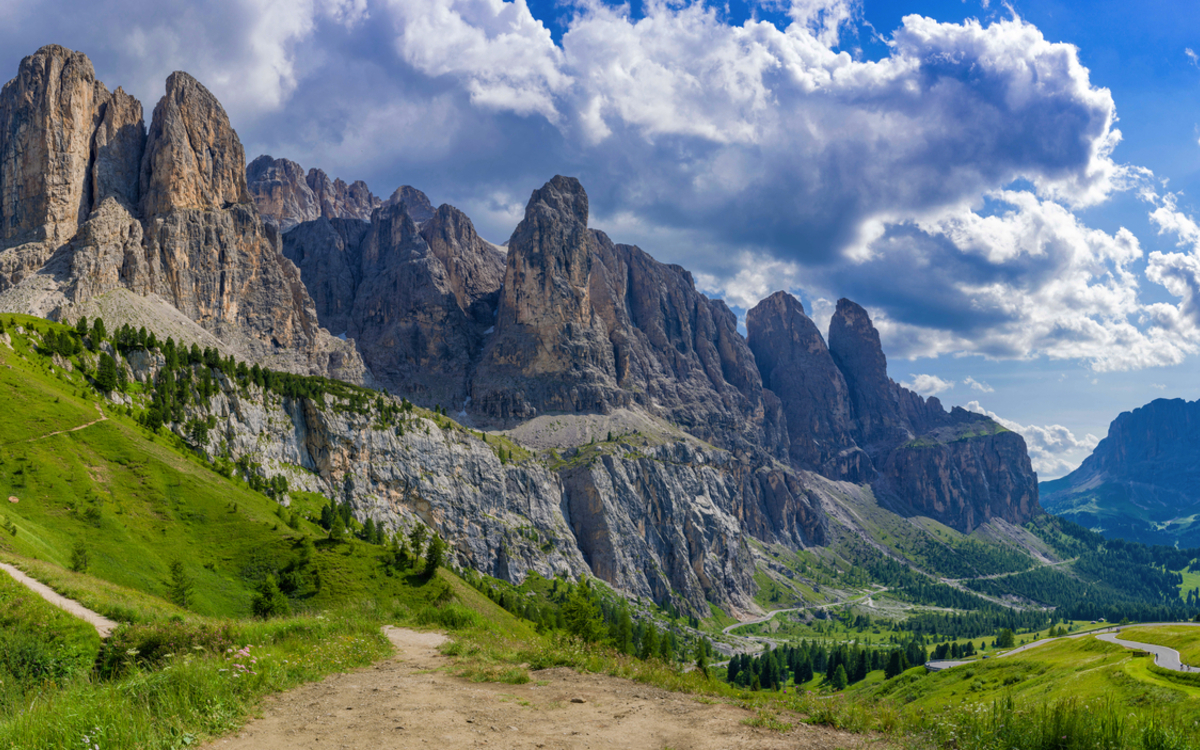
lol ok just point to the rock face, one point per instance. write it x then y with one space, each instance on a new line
193 158
665 522
281 193
417 302
588 325
338 200
797 367
847 419
90 201
1142 482
419 207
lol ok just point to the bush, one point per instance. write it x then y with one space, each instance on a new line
151 645
29 659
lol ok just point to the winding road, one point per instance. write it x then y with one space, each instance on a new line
1167 658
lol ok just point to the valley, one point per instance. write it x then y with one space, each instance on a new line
272 428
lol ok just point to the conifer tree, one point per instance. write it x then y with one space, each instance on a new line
337 529
434 554
839 680
106 374
181 585
649 642
269 601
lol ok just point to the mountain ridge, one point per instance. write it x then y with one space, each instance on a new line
566 325
1142 480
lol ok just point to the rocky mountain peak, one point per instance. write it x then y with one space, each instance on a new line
193 157
419 207
855 346
563 197
337 200
281 192
474 268
796 365
47 117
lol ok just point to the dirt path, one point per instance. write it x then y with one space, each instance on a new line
405 702
103 625
103 417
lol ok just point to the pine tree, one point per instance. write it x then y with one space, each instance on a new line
649 642
581 615
839 680
368 532
181 585
337 529
79 557
897 663
434 554
98 331
269 601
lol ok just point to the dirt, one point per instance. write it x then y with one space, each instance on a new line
412 701
103 625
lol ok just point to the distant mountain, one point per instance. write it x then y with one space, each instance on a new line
1142 482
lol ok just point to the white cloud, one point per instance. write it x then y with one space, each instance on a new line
1158 386
1192 56
1053 449
928 385
1025 278
978 386
503 55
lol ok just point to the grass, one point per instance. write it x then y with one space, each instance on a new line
1184 639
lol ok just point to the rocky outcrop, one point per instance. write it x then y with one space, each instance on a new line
419 207
193 158
585 325
796 365
48 115
90 202
281 193
337 200
848 420
665 522
416 301
1142 481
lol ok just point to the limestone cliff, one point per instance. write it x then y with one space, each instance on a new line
416 301
587 325
90 201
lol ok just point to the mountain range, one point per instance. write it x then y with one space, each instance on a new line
1142 481
656 446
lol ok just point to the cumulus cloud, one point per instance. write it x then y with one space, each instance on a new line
1016 277
927 385
978 386
1053 449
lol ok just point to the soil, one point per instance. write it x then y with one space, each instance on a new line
103 625
411 701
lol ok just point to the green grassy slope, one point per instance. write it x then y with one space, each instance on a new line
138 502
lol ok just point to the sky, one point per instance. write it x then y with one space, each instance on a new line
1009 188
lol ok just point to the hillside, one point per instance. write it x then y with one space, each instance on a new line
1142 481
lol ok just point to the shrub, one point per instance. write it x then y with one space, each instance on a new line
269 601
151 645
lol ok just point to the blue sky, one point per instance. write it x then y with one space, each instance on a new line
1008 188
